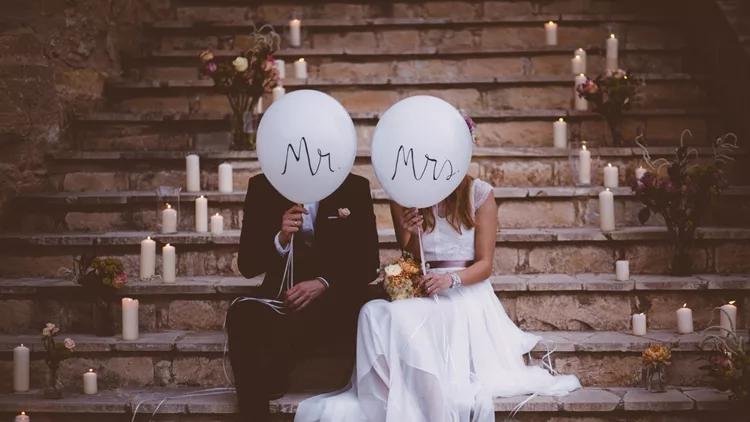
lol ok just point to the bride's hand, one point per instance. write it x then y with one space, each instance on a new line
433 283
412 220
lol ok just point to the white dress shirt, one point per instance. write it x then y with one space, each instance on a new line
306 232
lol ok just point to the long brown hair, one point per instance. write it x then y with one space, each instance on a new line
456 208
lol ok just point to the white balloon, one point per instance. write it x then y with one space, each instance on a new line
306 145
421 150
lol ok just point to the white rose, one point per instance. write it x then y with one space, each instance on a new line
240 64
393 270
50 330
69 344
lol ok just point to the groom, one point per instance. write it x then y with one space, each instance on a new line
335 257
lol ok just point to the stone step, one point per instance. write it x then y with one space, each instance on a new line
209 130
517 208
519 251
501 167
378 94
197 359
590 404
547 302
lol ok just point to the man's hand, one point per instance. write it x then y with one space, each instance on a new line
291 223
302 294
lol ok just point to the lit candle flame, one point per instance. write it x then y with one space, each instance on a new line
167 244
684 306
148 237
611 35
560 119
21 344
23 413
732 302
625 77
91 370
584 147
642 313
609 164
295 21
217 214
201 197
551 23
582 75
578 57
169 206
301 60
607 189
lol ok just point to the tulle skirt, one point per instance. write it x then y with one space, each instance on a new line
438 359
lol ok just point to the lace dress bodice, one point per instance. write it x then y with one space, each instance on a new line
443 243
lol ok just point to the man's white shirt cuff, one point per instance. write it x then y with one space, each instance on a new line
282 251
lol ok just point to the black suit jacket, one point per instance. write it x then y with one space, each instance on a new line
344 251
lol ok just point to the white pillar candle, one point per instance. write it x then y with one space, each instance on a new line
584 166
23 417
193 173
728 318
21 358
300 69
611 176
280 68
607 211
217 224
148 258
168 263
622 270
612 45
277 93
201 214
129 319
577 66
89 382
225 178
560 133
579 103
550 29
169 220
582 54
639 324
295 33
684 320
259 106
639 172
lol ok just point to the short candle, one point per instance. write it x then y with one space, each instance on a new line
560 133
684 320
23 417
89 383
169 220
300 69
622 270
611 176
577 65
226 184
728 318
280 68
277 93
639 324
217 224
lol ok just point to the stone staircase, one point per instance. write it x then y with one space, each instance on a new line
553 266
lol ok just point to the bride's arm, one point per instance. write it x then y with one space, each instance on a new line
404 237
485 237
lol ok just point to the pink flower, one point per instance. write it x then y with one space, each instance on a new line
344 212
50 330
69 344
206 56
590 87
120 279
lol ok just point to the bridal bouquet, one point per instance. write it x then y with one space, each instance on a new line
400 278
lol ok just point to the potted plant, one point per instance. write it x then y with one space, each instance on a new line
683 192
54 354
103 277
244 81
611 95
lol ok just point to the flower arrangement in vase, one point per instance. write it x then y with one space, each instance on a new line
683 194
611 95
244 81
401 278
54 354
103 277
727 363
655 360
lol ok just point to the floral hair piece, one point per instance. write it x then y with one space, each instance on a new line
472 126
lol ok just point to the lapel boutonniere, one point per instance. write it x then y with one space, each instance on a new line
344 212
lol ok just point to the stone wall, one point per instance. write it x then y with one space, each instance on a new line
54 58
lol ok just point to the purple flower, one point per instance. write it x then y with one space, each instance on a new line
210 67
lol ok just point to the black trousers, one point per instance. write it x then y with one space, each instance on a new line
264 344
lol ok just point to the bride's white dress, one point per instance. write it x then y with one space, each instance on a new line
438 359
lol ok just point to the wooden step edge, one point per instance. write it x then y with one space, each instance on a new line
227 286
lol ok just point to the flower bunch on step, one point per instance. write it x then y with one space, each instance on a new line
55 352
104 272
657 354
611 95
401 277
727 361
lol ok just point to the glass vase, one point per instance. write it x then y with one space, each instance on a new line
54 389
104 321
614 135
682 263
655 377
243 130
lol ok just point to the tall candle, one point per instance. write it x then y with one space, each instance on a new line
639 324
217 224
639 172
579 103
193 173
277 93
89 382
225 178
684 320
560 133
129 319
295 33
611 176
148 258
300 69
21 369
607 211
577 65
612 53
169 220
622 270
550 29
582 54
23 417
201 214
728 318
168 263
584 166
280 68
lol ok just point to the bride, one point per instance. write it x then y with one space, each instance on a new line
441 358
